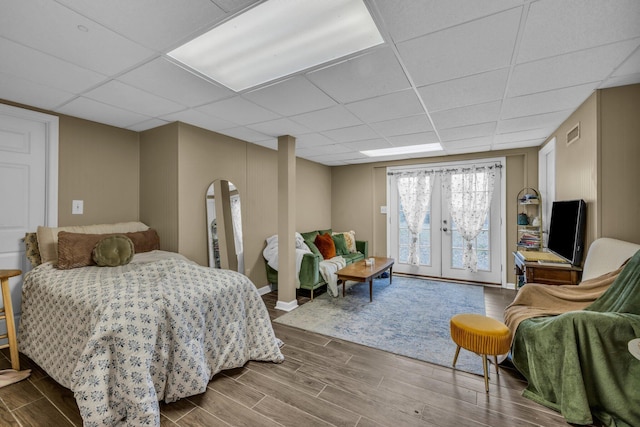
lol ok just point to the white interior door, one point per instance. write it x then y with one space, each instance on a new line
28 148
547 184
440 245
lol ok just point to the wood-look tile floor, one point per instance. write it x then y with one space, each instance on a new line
323 382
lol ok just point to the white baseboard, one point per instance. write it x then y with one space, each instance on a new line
265 290
509 286
287 306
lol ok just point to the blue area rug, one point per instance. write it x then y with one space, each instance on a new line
410 317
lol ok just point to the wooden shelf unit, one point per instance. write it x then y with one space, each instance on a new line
547 274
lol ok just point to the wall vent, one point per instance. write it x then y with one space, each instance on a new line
573 134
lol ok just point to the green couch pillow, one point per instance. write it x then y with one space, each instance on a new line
310 236
113 251
327 231
340 243
312 246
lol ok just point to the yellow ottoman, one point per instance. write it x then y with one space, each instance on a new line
482 335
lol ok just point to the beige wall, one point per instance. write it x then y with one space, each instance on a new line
180 161
159 183
358 191
98 164
576 164
620 163
602 166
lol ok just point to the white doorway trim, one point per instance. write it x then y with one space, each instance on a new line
51 185
547 183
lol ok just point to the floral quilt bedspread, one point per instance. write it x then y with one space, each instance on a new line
123 338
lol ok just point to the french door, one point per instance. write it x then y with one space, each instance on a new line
440 242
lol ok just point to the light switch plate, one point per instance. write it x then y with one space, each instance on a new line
383 210
77 207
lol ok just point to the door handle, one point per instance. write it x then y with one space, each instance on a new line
445 229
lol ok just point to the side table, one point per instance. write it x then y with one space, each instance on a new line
6 313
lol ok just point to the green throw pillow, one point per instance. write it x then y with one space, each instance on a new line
341 244
327 231
312 246
113 251
310 236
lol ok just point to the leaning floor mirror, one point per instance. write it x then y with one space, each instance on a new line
224 226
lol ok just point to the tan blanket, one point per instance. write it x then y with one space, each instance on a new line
537 300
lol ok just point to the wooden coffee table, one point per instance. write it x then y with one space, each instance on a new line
365 273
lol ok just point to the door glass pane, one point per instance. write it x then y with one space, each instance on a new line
480 243
424 239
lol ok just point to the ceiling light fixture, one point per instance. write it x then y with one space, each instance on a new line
407 149
278 38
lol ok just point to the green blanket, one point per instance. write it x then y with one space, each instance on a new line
578 363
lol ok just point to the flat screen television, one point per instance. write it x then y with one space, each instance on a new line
566 230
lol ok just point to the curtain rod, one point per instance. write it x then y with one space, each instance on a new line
497 166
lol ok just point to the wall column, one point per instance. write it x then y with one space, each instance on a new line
286 223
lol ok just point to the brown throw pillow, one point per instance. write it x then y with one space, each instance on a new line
75 249
325 245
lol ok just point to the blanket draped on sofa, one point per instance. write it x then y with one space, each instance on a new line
578 362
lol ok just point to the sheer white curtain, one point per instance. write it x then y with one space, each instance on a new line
414 191
468 193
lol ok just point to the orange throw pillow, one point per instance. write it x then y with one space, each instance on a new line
325 245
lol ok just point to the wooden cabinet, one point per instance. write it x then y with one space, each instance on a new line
534 272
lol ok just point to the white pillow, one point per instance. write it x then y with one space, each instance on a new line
48 236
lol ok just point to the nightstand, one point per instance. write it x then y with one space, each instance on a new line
6 313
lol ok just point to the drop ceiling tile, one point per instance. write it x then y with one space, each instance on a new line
198 118
479 46
572 69
353 133
312 140
463 116
238 110
409 19
370 144
322 150
234 5
630 66
245 134
386 107
90 109
366 76
526 135
465 132
25 92
468 150
546 102
147 124
413 139
127 97
33 65
186 88
468 142
155 24
98 48
558 27
518 144
538 121
329 118
476 89
279 127
293 96
628 79
403 125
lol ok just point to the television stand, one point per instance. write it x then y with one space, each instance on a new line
546 273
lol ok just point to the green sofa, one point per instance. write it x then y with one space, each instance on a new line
310 277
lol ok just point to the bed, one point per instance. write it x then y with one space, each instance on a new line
158 328
571 342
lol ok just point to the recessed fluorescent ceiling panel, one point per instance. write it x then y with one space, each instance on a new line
278 38
407 149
